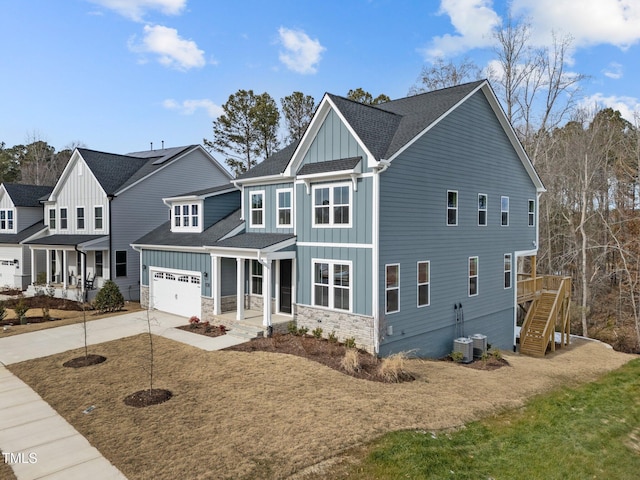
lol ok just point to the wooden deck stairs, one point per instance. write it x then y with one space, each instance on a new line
547 315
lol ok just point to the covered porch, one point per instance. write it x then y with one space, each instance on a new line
69 264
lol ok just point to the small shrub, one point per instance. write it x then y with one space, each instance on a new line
109 298
194 321
393 368
350 342
302 331
292 328
21 310
223 329
495 353
457 356
333 338
350 363
45 314
207 326
317 332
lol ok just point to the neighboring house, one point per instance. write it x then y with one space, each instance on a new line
398 224
104 201
20 219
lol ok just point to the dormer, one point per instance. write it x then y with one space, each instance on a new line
196 211
20 206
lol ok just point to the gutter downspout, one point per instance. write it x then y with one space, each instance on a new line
375 260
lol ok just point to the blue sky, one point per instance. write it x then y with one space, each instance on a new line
119 74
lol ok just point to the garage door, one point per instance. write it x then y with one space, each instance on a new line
7 272
177 293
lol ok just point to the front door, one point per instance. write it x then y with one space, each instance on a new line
285 285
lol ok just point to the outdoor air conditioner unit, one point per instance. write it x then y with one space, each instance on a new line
464 345
479 344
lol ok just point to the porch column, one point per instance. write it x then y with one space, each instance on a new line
240 289
58 261
48 266
216 265
65 263
33 267
533 266
266 293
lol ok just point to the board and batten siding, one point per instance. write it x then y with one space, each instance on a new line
332 142
186 261
361 274
140 209
467 152
270 207
80 189
218 207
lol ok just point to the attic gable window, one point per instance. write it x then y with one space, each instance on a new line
186 217
332 205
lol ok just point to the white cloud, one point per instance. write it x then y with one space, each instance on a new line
588 22
173 51
629 107
473 20
614 71
189 107
301 54
135 9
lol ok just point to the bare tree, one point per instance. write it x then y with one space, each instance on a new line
442 75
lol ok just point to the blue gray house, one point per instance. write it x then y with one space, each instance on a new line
399 225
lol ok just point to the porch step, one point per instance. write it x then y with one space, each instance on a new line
242 330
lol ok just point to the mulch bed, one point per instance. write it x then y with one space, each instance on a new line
209 331
83 361
44 301
318 350
146 398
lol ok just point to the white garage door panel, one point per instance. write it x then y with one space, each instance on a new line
177 293
7 273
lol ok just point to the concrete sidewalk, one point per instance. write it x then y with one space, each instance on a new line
41 443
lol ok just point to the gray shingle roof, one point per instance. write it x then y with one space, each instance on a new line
383 128
15 238
255 241
114 172
26 195
165 237
208 191
64 240
329 166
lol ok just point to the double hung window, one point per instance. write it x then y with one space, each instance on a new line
424 283
392 288
284 208
332 284
452 207
332 205
257 209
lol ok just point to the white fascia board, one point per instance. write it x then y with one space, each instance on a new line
266 180
167 248
189 198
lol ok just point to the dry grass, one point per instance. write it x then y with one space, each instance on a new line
394 367
350 363
266 415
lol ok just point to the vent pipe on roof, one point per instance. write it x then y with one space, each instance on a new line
162 144
151 147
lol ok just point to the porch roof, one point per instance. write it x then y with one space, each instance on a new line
67 240
15 238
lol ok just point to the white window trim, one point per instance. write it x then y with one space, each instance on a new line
94 217
6 219
190 228
510 270
252 276
386 289
476 276
331 263
485 210
452 208
502 210
84 217
251 209
531 213
55 218
331 187
427 283
60 218
278 208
